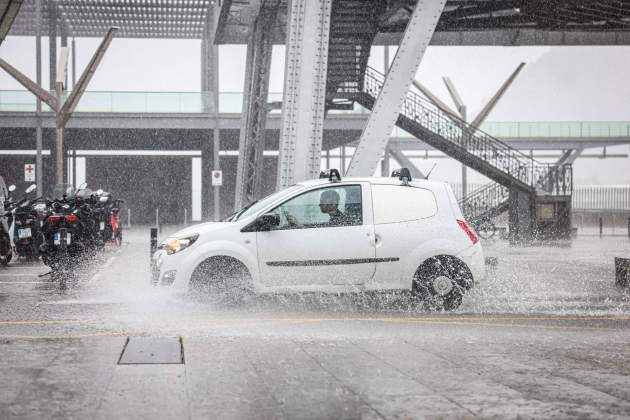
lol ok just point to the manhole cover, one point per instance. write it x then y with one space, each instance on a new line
152 350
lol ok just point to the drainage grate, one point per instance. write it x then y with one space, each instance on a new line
152 350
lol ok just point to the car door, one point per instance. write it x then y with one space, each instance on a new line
313 251
404 218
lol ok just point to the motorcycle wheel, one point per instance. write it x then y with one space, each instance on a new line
118 237
6 259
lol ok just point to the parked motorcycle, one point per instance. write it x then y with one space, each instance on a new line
107 210
75 229
6 244
66 239
26 227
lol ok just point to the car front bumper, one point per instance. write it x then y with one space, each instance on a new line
173 271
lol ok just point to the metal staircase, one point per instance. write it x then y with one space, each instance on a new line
488 201
353 26
508 167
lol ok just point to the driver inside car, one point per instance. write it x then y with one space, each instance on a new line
328 204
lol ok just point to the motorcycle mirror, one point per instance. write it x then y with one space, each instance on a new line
12 188
32 188
99 191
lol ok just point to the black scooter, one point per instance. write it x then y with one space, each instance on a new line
6 245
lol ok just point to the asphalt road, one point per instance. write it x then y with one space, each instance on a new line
546 335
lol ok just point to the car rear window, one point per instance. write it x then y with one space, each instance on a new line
397 203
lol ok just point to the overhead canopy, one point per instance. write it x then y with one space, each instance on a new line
136 18
8 10
598 19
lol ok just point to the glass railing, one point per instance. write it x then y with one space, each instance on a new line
231 102
558 129
146 102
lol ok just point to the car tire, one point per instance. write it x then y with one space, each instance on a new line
223 280
441 282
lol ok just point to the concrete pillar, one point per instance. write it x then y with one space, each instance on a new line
521 218
52 43
210 147
39 161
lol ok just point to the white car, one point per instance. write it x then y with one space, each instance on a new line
332 235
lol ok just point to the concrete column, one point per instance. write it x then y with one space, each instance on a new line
521 218
74 62
39 161
52 43
210 147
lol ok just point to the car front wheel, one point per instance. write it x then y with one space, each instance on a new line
223 280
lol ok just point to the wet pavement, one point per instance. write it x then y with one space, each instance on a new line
546 335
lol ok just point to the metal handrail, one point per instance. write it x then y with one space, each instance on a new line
541 177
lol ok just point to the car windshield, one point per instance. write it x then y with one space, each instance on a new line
254 207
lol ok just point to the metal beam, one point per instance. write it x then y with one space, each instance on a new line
569 156
395 87
405 162
303 105
7 15
252 135
483 114
33 87
435 100
457 99
72 101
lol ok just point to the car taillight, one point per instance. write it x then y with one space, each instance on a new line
72 218
468 231
54 219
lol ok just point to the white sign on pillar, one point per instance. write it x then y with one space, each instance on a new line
217 178
29 172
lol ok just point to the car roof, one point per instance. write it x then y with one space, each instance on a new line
376 181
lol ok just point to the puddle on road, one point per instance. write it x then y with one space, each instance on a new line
577 280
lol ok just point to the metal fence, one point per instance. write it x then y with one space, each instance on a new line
601 197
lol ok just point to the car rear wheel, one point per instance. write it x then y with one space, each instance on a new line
441 282
223 280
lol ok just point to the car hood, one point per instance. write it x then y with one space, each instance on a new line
200 229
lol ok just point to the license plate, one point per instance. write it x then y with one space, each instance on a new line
101 226
24 233
57 238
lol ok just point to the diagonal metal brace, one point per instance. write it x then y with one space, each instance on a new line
72 101
33 87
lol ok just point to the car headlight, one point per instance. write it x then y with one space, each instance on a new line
173 245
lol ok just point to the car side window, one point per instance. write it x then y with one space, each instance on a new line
324 207
397 203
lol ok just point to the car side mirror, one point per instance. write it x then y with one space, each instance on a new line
267 221
263 223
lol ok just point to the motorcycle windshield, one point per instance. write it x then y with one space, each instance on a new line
59 190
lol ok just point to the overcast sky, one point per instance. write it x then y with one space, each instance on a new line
557 84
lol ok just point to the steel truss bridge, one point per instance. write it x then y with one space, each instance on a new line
328 46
